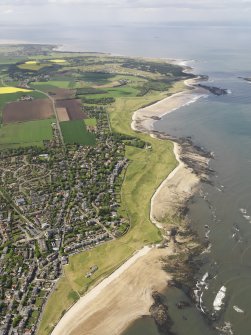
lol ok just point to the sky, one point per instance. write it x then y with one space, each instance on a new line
65 13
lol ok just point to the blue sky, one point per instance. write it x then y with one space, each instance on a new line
75 12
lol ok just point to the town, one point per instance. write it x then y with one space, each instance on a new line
62 167
54 204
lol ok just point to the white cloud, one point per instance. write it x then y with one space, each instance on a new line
8 11
79 12
136 3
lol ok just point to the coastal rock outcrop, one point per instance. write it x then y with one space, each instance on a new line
159 312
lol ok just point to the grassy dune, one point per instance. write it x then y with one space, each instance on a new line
147 169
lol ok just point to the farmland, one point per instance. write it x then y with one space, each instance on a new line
7 98
22 111
58 61
9 90
62 114
34 66
75 132
25 134
73 107
44 85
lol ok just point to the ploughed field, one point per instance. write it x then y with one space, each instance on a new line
21 111
73 108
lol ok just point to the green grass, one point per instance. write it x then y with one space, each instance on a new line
75 132
146 171
122 91
51 84
96 77
90 122
25 134
34 67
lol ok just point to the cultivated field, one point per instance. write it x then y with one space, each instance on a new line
73 107
10 89
62 114
25 134
58 61
33 66
60 93
22 111
44 85
75 132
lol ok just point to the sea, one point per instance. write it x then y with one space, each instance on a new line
220 212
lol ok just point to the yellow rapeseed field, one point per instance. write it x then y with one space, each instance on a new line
9 89
57 60
31 62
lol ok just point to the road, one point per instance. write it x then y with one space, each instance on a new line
55 113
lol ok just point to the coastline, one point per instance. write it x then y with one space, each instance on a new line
144 118
98 303
126 292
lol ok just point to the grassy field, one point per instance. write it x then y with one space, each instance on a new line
147 169
33 66
75 132
122 91
25 134
51 83
90 122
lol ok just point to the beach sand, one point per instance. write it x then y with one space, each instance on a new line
174 191
144 118
126 294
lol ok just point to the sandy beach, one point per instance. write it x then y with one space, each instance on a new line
119 299
126 294
174 191
144 118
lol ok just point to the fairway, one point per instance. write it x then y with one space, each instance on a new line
75 132
10 89
30 133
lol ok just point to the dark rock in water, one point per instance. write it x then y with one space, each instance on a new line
245 78
159 312
183 304
156 118
214 90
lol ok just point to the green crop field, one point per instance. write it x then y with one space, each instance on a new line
34 67
75 132
51 84
25 134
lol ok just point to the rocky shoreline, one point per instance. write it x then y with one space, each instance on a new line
180 187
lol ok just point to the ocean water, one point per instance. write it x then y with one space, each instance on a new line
221 212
